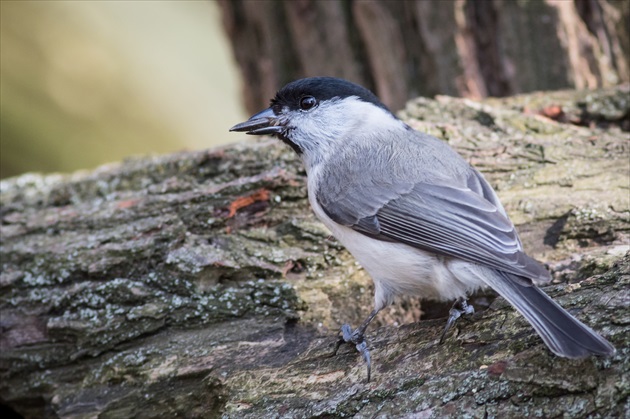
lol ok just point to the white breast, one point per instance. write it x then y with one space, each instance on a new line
396 268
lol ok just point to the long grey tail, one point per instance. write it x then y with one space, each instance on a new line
562 333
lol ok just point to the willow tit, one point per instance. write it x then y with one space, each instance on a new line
419 218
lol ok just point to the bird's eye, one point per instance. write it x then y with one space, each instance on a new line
307 102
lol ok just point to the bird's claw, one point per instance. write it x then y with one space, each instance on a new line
365 353
347 333
358 339
460 308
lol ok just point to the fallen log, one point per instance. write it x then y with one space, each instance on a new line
200 284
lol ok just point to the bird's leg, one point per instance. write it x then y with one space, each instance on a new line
460 307
358 339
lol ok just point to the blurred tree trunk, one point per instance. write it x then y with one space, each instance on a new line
402 49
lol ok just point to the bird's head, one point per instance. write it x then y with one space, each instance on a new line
314 115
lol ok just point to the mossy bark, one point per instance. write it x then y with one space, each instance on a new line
200 284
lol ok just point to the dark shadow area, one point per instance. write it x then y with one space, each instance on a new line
553 233
7 413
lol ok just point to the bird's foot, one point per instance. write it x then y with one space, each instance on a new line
356 338
460 308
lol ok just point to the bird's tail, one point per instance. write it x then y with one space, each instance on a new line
562 333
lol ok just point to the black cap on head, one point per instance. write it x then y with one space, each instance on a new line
321 88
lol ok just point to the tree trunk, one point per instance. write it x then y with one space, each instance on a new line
200 284
403 49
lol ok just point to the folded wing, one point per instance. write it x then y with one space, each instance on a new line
461 221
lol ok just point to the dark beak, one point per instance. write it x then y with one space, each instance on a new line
263 123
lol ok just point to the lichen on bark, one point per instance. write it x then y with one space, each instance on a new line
200 284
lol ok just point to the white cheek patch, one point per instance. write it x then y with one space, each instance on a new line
320 131
335 119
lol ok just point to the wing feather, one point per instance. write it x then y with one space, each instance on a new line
450 220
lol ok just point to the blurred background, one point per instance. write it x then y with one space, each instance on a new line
88 82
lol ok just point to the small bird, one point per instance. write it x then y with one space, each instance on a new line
418 217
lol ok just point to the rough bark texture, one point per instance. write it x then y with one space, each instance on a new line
200 284
402 49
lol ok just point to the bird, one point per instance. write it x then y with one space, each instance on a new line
415 214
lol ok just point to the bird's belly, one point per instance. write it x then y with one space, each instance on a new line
399 269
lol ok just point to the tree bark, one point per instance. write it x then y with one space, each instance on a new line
201 285
403 49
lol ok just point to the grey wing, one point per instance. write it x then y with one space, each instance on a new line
462 221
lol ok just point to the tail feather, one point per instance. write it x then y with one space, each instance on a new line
562 333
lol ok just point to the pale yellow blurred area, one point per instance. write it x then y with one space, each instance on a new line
88 82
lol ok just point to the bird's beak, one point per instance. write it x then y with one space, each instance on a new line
263 123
